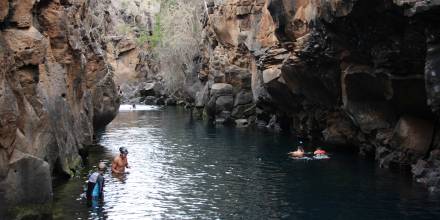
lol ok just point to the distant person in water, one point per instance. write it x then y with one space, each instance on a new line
298 153
134 106
319 152
95 185
120 162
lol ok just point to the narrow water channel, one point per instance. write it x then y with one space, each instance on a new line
186 169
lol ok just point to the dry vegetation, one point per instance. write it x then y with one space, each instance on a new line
175 41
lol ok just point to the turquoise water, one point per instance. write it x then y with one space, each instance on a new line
186 169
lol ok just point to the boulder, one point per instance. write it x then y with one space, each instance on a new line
148 89
29 179
221 89
241 111
410 141
243 97
340 130
371 116
426 171
210 108
241 123
224 103
150 100
160 101
271 74
419 168
233 71
413 136
224 118
414 7
238 77
170 102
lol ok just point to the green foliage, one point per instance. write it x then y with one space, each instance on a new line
175 40
143 38
156 38
157 34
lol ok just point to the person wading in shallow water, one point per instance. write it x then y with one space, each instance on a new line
95 185
120 162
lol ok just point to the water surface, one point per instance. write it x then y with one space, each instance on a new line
186 169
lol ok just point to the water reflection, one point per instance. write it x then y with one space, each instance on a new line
185 169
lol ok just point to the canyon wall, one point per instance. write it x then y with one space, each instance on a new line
350 72
129 51
56 88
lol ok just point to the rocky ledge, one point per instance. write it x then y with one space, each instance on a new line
56 88
350 72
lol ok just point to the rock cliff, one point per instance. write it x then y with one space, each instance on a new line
56 88
350 72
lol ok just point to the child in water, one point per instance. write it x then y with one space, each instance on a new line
95 185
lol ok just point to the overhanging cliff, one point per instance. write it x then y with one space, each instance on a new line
350 72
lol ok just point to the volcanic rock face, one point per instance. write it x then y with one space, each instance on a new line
351 72
129 49
55 89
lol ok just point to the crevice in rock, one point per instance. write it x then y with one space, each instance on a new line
58 172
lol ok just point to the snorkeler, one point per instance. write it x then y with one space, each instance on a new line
319 152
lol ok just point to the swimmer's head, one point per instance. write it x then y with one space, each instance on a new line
101 166
123 151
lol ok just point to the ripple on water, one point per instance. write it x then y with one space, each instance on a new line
183 169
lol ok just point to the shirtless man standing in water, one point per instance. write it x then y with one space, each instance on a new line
120 162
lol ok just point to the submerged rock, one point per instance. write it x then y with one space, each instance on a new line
150 100
170 102
241 123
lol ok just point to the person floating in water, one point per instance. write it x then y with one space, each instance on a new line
299 153
319 152
120 162
95 185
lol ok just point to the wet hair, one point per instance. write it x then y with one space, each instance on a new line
123 150
300 148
